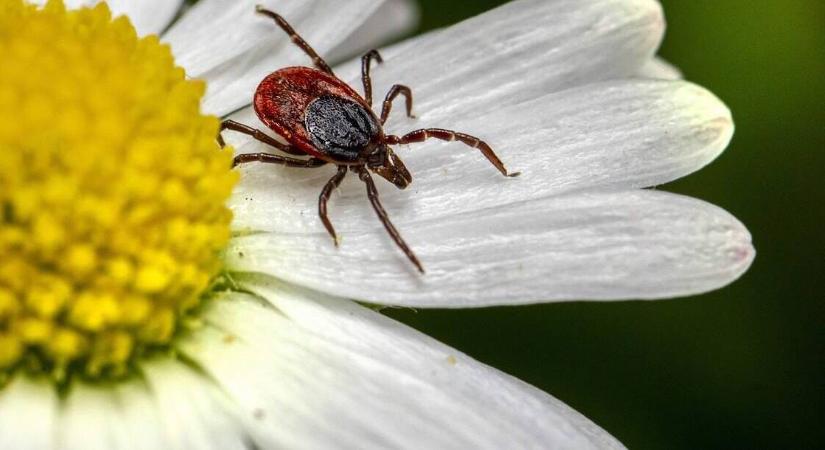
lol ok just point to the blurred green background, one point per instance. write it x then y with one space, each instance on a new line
738 368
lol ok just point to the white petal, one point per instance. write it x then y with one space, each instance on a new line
178 409
139 418
617 134
391 20
233 48
195 414
606 246
329 373
28 415
148 16
88 420
94 418
123 416
516 52
658 68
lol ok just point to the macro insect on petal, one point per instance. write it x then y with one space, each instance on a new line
324 119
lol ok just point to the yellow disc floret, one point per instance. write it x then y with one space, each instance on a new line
112 191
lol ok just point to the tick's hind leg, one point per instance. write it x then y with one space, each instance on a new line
394 92
269 158
449 135
372 193
296 39
331 185
257 135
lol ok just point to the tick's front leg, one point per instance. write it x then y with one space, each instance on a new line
449 136
394 92
331 185
372 193
365 73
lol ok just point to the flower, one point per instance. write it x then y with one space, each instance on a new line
568 92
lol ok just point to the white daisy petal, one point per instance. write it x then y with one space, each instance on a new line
148 16
330 373
616 134
516 52
90 420
193 412
140 420
182 410
233 48
603 246
122 416
28 415
391 20
658 68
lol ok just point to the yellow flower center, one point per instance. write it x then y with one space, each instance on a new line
112 192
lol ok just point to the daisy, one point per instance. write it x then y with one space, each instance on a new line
133 315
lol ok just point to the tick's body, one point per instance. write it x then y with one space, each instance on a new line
301 104
322 117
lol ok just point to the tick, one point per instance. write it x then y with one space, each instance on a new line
322 117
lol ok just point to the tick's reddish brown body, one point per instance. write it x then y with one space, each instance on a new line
283 97
322 117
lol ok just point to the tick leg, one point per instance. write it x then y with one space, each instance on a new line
269 158
394 92
331 185
449 135
296 39
372 193
365 72
257 135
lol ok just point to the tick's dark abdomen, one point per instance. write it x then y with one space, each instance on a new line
282 102
340 127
